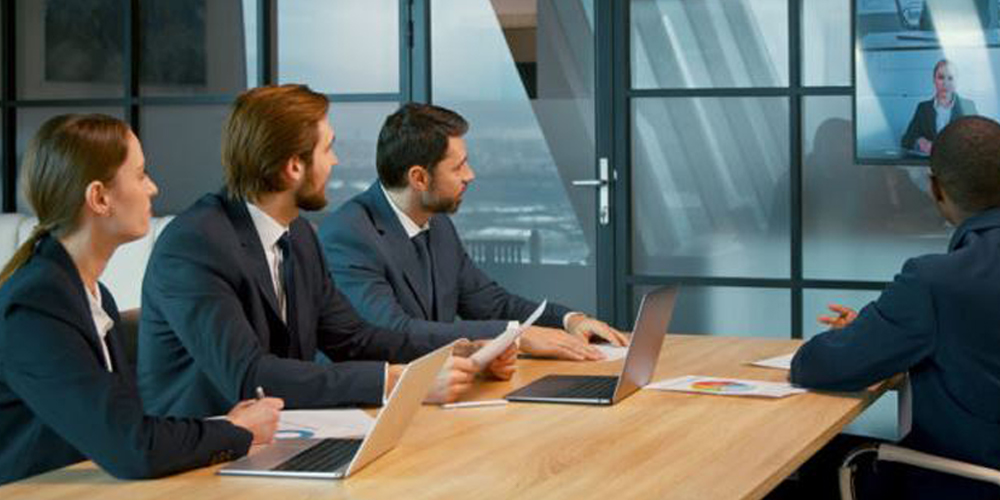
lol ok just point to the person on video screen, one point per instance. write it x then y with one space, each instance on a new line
934 114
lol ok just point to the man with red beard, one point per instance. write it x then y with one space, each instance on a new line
237 297
395 253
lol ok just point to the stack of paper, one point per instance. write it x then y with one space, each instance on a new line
726 386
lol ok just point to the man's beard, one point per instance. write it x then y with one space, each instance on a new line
439 205
311 196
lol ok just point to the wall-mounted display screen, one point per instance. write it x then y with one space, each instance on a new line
919 64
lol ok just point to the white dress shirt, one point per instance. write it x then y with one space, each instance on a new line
102 322
270 231
942 115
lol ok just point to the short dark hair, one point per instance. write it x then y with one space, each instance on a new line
267 126
965 159
416 134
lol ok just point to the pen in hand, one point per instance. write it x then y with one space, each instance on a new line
260 393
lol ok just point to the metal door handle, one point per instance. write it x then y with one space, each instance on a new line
603 195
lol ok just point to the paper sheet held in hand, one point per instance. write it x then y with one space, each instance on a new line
498 345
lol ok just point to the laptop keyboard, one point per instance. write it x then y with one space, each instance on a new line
590 387
326 456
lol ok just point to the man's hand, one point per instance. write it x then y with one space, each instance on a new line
845 315
259 416
503 367
553 343
585 327
454 379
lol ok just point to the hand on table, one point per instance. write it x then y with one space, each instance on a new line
554 343
585 327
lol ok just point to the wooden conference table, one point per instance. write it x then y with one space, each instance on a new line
651 445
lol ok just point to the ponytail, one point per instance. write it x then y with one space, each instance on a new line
23 253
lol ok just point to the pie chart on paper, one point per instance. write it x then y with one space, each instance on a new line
721 386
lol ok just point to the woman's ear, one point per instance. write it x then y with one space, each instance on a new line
96 200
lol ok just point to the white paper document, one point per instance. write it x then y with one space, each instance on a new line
612 352
783 362
726 386
303 424
498 345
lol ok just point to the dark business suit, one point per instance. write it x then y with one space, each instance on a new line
209 312
377 267
924 121
58 402
938 320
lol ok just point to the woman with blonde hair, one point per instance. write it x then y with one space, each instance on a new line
67 392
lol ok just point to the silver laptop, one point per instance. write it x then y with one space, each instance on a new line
640 362
339 458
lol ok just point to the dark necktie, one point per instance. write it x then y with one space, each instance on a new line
422 243
286 347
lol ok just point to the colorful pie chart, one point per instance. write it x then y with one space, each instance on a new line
721 386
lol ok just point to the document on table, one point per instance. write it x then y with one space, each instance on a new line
612 352
303 424
498 345
726 386
783 362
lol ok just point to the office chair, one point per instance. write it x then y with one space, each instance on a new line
892 453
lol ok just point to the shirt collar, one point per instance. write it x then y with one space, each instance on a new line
983 220
411 228
268 229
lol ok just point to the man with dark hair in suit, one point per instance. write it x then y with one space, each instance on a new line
237 295
397 256
938 320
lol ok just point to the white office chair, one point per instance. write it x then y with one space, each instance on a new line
898 454
892 453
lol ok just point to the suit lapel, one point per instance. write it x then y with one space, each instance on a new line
398 246
51 249
253 252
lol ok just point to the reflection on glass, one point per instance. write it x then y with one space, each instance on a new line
182 146
69 49
28 122
879 420
709 43
526 87
357 126
859 222
347 46
826 42
742 312
195 46
710 187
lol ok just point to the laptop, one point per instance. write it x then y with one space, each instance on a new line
339 458
655 312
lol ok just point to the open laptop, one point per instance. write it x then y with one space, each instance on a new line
339 458
640 362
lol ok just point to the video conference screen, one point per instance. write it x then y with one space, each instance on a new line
918 65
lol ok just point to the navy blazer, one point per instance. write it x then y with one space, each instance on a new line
940 320
377 266
58 402
924 120
209 308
